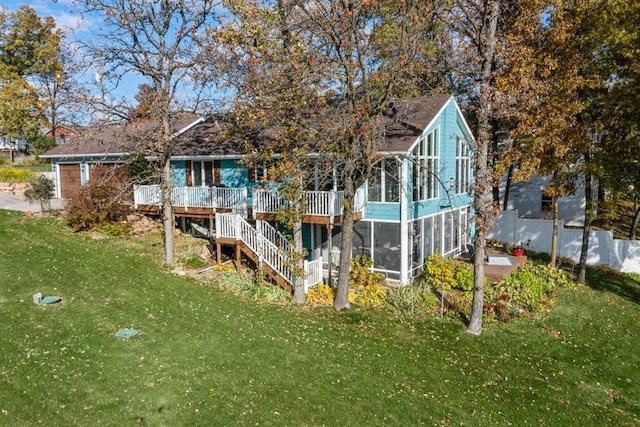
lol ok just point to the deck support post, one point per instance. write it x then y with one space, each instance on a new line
237 254
330 264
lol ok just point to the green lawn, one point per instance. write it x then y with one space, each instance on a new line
209 358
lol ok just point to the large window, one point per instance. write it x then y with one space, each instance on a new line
386 246
383 184
205 173
263 171
427 159
463 166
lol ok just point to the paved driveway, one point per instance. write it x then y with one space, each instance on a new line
14 203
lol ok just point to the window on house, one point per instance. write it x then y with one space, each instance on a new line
386 246
427 159
259 171
375 184
383 183
391 184
463 166
205 173
451 232
547 202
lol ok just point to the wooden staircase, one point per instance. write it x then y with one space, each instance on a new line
259 244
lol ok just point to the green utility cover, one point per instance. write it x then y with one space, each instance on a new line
50 299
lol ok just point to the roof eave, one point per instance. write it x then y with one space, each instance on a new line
77 156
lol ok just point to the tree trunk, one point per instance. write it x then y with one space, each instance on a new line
554 232
507 188
341 300
634 224
601 200
497 180
299 295
588 218
167 211
483 178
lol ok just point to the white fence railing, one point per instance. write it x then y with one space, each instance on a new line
535 234
318 203
193 197
273 235
312 273
235 227
146 195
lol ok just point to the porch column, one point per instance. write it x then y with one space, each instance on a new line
404 221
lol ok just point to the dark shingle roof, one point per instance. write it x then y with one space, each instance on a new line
406 119
219 135
113 139
404 122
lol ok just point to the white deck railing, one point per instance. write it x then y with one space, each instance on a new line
193 197
235 227
319 203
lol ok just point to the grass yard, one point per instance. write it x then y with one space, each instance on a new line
205 357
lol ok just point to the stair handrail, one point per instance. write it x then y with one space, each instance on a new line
235 226
273 235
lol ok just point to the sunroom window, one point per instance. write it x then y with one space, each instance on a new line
383 183
463 166
426 166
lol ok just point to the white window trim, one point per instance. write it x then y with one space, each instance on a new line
463 166
381 169
427 166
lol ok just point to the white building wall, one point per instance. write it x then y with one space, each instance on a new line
526 198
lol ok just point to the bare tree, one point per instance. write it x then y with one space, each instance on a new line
160 42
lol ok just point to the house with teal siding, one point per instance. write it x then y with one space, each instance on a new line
418 199
416 202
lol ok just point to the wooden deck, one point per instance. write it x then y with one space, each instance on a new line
312 219
322 207
495 273
181 211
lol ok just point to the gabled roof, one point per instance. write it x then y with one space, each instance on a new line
59 130
115 139
218 136
405 120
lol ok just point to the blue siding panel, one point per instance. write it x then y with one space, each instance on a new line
382 211
179 173
234 174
